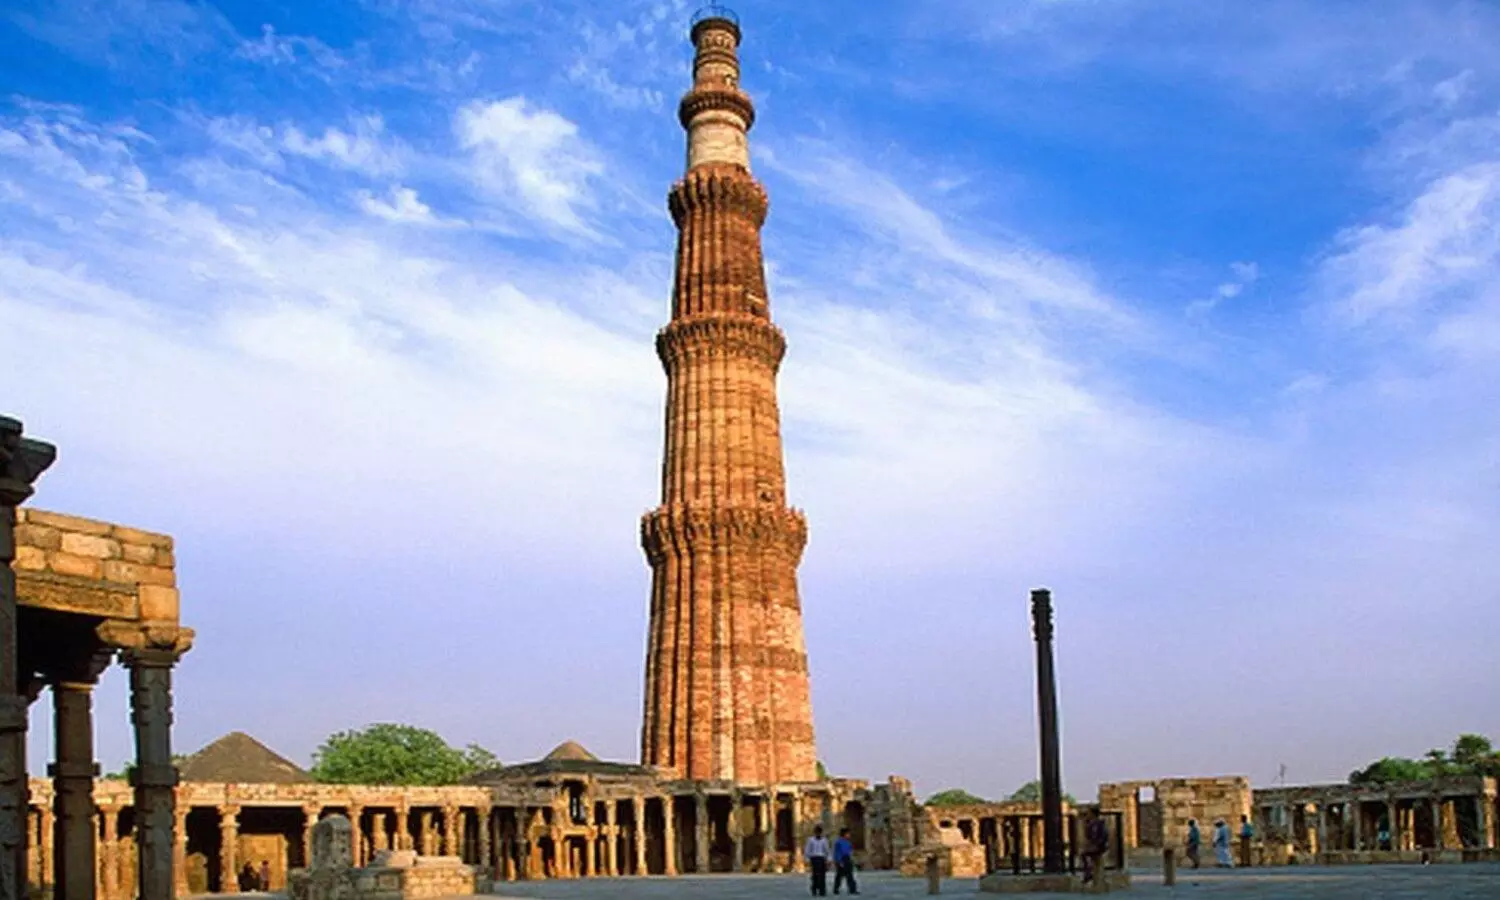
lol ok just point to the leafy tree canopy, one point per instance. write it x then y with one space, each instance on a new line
396 754
954 797
1031 792
822 771
1472 754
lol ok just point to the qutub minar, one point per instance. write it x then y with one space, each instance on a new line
726 664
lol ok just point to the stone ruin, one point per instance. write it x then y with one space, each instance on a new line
957 856
391 875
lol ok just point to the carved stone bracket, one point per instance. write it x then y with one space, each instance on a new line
149 643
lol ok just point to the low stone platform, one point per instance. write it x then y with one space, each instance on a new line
1007 883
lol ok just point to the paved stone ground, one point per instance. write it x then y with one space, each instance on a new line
1449 882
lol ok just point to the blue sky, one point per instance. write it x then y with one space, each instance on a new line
1189 311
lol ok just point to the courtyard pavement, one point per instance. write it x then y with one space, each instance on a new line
1448 882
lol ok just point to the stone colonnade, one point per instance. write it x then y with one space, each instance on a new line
1450 814
579 828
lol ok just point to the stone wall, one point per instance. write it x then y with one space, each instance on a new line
123 573
1162 821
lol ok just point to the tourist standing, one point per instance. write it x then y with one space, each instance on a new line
1247 834
1221 845
1194 842
265 875
843 862
1095 845
817 860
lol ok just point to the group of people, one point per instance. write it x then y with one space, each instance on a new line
253 880
818 852
1221 840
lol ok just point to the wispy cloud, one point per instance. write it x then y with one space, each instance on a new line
531 159
362 149
124 32
1243 275
403 207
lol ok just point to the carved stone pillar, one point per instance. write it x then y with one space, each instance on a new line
402 839
1482 821
638 839
669 834
361 847
381 836
150 654
22 460
229 844
109 875
1393 816
45 831
763 825
486 824
1438 842
76 863
310 813
452 839
702 834
799 832
736 831
612 837
179 848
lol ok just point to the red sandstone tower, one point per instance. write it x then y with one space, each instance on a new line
726 662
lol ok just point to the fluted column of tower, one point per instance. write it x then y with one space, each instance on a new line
726 668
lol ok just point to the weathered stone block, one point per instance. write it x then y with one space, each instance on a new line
142 554
68 523
158 603
30 559
90 545
136 536
39 536
78 566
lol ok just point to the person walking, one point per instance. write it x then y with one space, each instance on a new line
265 876
1221 845
1194 842
816 853
843 862
1247 835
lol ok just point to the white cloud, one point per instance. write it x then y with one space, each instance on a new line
1441 250
1244 275
532 159
403 207
274 49
243 135
587 74
362 150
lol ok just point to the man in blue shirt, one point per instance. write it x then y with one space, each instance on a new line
843 862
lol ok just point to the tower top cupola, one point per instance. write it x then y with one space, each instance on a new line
715 111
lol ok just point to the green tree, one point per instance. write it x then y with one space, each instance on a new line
396 754
1391 769
822 771
1474 754
954 797
1031 792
